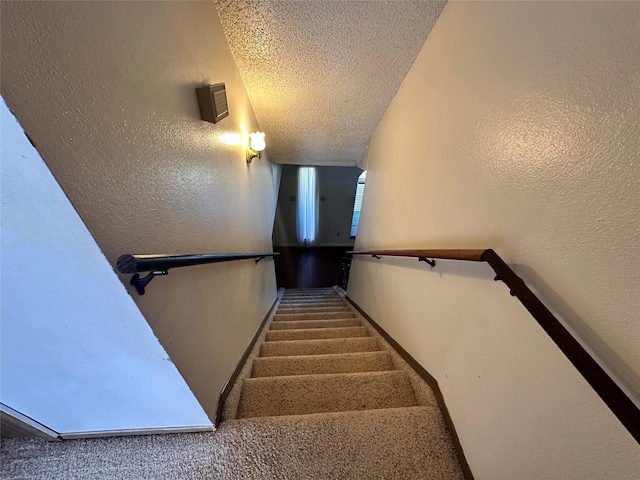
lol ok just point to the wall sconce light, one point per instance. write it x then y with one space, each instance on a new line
256 145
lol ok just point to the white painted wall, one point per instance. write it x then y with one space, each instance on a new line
77 354
527 118
337 192
106 90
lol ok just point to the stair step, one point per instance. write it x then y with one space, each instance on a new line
318 364
293 291
301 293
306 298
316 333
314 309
311 296
311 299
336 304
287 317
319 347
305 324
307 394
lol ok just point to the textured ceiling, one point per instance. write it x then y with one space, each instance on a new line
320 74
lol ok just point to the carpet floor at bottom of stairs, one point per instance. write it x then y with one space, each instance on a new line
397 443
391 443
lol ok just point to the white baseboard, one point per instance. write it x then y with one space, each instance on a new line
142 431
27 424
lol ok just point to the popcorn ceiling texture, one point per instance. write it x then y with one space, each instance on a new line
321 74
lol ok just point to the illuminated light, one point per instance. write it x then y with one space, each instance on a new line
256 145
257 142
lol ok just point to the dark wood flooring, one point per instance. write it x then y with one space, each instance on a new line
313 267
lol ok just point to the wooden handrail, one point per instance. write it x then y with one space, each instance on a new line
473 255
160 264
618 402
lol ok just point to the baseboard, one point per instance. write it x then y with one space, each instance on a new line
140 431
427 377
15 424
236 372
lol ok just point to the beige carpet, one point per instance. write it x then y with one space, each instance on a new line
322 396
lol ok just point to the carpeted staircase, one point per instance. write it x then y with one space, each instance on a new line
323 395
318 357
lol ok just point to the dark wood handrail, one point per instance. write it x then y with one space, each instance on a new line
473 255
130 263
160 264
612 395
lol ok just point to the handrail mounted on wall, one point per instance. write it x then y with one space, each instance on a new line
160 264
617 401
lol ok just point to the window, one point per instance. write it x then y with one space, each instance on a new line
357 205
307 219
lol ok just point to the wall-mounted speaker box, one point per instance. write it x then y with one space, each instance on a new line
213 102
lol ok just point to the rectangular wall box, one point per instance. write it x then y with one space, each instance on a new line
213 102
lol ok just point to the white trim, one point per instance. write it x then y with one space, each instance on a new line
30 422
142 431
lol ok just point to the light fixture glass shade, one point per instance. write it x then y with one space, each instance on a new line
256 142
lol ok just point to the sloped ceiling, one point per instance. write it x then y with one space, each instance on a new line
320 74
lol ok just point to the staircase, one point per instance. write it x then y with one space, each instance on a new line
318 357
322 380
321 397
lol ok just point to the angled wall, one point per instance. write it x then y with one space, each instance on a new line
106 92
516 129
76 353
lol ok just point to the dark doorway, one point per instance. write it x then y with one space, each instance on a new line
314 267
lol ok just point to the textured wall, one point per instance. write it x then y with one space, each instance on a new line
527 115
106 92
77 355
337 192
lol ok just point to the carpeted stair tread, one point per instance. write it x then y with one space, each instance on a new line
311 289
305 394
311 297
307 299
321 364
306 324
316 333
321 298
337 304
314 309
319 347
287 317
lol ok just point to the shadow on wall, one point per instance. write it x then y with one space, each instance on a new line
625 377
